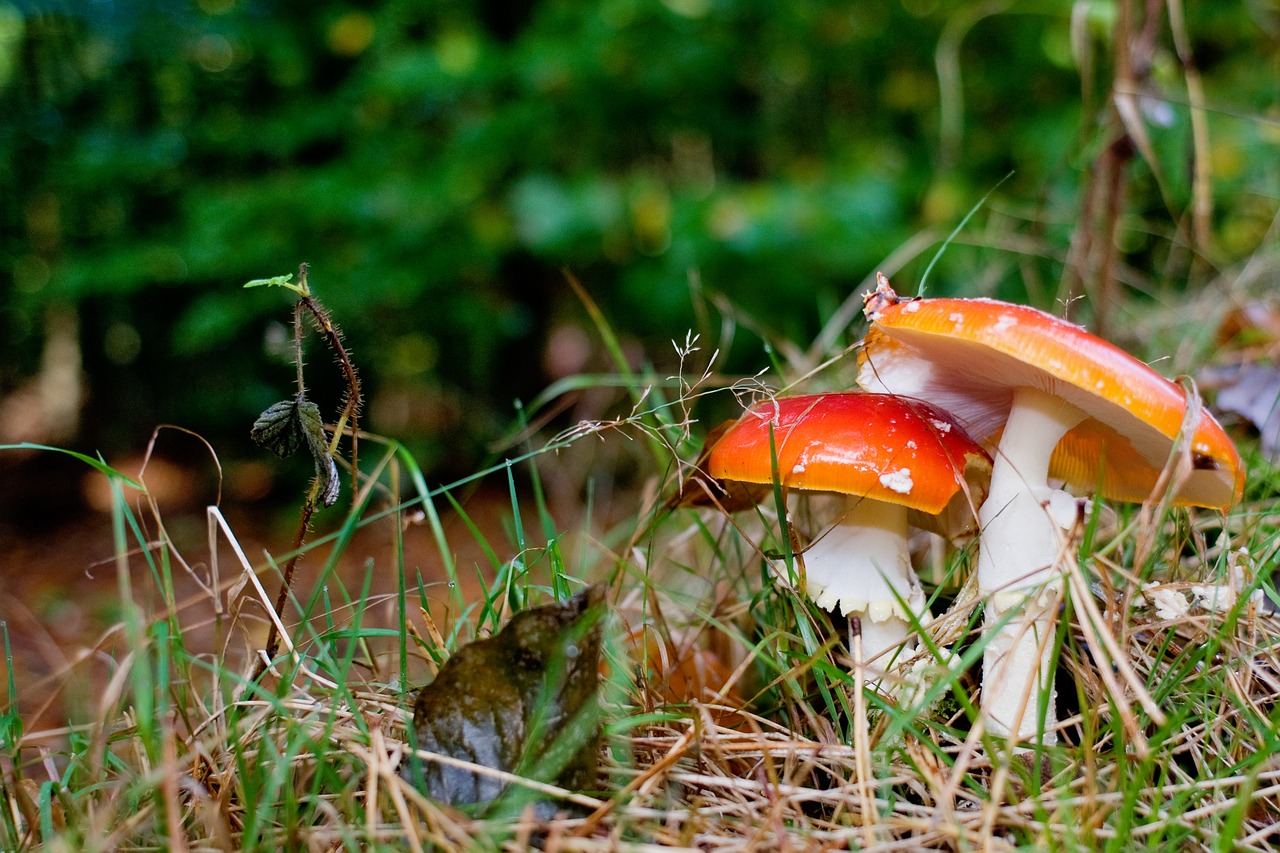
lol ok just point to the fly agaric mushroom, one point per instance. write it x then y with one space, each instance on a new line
1063 404
891 461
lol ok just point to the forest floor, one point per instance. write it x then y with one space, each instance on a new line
60 584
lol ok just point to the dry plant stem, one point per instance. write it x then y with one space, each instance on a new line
1092 258
1114 162
173 807
1098 636
1202 178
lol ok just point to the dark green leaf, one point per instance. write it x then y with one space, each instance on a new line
287 425
523 701
279 429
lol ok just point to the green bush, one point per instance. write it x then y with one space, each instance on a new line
440 164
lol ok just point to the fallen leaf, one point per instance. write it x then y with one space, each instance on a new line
685 672
1254 394
1249 325
522 701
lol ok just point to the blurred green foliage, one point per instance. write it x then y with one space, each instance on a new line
439 164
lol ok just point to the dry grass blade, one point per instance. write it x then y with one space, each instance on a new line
1113 659
860 740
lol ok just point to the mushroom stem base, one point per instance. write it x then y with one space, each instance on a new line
880 641
860 566
1017 681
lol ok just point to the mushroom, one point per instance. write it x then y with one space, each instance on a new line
889 461
1063 404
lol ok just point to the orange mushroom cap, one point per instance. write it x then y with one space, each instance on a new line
968 355
879 446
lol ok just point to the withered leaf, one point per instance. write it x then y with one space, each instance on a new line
1252 324
287 425
280 428
522 701
1254 394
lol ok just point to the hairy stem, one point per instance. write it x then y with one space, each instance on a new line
351 407
350 412
286 584
297 343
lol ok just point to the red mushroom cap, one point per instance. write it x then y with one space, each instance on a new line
879 446
968 355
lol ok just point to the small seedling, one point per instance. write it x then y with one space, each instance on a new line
296 421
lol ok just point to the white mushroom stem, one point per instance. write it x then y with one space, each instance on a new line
1018 550
861 566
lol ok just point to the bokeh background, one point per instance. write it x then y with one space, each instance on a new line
698 165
